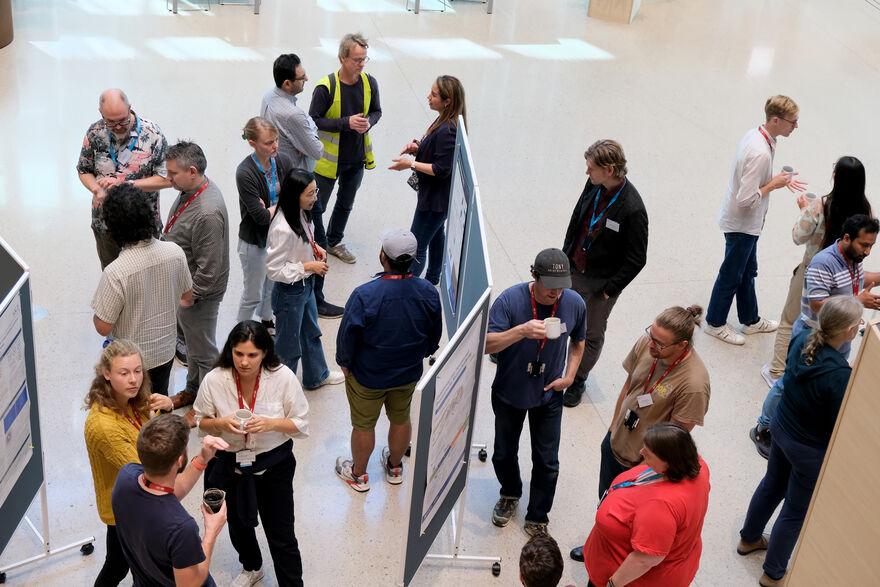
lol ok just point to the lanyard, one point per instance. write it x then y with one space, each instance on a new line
854 277
271 185
594 219
241 399
130 145
311 237
671 367
535 316
151 485
137 425
396 276
644 478
182 208
766 138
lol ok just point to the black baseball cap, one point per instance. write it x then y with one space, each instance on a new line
551 265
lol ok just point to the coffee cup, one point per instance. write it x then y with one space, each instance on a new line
213 499
243 416
789 170
553 327
810 196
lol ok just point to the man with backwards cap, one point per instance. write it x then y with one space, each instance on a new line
389 326
532 373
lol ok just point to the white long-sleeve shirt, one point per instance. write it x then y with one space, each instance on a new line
744 208
286 251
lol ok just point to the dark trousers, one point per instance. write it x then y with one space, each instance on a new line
159 377
108 250
545 427
115 566
609 467
598 310
736 277
349 177
792 472
427 227
275 505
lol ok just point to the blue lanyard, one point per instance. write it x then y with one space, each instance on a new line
269 185
130 145
645 477
595 219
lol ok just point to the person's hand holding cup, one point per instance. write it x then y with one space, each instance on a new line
553 327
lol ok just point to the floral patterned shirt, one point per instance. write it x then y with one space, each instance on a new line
809 230
147 159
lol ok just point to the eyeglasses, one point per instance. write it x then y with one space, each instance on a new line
792 122
118 123
656 344
299 79
360 61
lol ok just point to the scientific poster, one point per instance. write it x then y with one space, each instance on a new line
15 422
455 227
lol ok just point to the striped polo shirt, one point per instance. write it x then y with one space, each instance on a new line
828 274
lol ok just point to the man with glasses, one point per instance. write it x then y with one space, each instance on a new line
345 106
120 147
666 382
742 219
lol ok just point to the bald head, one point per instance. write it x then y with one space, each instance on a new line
115 107
113 97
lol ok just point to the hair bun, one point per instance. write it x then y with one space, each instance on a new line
244 136
694 311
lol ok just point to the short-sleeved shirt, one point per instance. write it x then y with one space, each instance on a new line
147 159
156 533
828 274
513 385
683 396
660 519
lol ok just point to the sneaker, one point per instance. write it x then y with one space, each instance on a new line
573 394
744 548
180 352
334 378
761 437
343 471
767 581
330 311
393 475
762 325
534 528
725 333
342 253
246 578
270 326
768 378
504 510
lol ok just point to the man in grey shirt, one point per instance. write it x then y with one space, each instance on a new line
297 133
198 223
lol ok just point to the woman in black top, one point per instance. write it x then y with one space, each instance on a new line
434 155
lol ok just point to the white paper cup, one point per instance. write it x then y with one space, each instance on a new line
553 327
789 170
810 196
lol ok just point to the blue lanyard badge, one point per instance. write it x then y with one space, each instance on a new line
124 156
594 219
270 185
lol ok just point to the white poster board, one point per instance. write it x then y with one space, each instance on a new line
15 427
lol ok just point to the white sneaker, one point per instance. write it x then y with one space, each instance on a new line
762 325
343 470
393 475
246 578
342 253
768 378
725 333
334 378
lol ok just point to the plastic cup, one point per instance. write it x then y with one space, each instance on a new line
213 499
553 327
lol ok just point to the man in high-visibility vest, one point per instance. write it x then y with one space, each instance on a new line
345 105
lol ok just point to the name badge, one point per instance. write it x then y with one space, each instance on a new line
124 157
645 400
563 328
245 458
615 226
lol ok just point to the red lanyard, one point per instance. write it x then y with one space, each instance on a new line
311 238
240 398
396 276
137 425
854 277
668 371
182 208
535 316
151 485
761 130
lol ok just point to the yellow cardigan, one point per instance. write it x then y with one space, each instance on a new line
112 442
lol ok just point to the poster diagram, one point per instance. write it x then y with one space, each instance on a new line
455 227
453 398
15 423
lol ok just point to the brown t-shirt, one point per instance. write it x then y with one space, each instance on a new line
683 396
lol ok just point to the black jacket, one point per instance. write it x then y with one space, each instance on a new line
252 189
615 257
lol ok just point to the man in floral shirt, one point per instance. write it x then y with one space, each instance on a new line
120 147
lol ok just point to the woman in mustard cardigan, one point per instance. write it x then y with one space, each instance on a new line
119 402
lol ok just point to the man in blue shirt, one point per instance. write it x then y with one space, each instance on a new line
532 373
389 326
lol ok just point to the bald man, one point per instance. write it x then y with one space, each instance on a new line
120 147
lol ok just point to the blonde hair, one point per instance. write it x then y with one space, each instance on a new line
607 152
680 321
837 315
781 106
252 128
101 392
350 40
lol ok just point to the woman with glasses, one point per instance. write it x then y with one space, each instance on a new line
816 376
258 178
293 258
432 173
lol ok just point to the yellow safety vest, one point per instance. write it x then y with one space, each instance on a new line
329 161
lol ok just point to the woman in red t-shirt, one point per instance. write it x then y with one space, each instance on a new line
648 526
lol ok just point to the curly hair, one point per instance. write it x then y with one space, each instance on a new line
101 392
129 215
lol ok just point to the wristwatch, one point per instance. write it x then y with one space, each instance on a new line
610 583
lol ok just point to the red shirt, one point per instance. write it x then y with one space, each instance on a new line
661 519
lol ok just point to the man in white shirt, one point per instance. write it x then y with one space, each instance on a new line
742 218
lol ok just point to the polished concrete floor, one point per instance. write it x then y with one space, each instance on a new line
678 88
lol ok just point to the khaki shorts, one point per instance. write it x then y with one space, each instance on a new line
366 404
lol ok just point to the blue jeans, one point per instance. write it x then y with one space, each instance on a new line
545 427
792 471
256 291
736 278
609 467
296 330
428 230
350 177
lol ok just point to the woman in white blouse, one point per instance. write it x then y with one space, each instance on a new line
293 258
257 470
